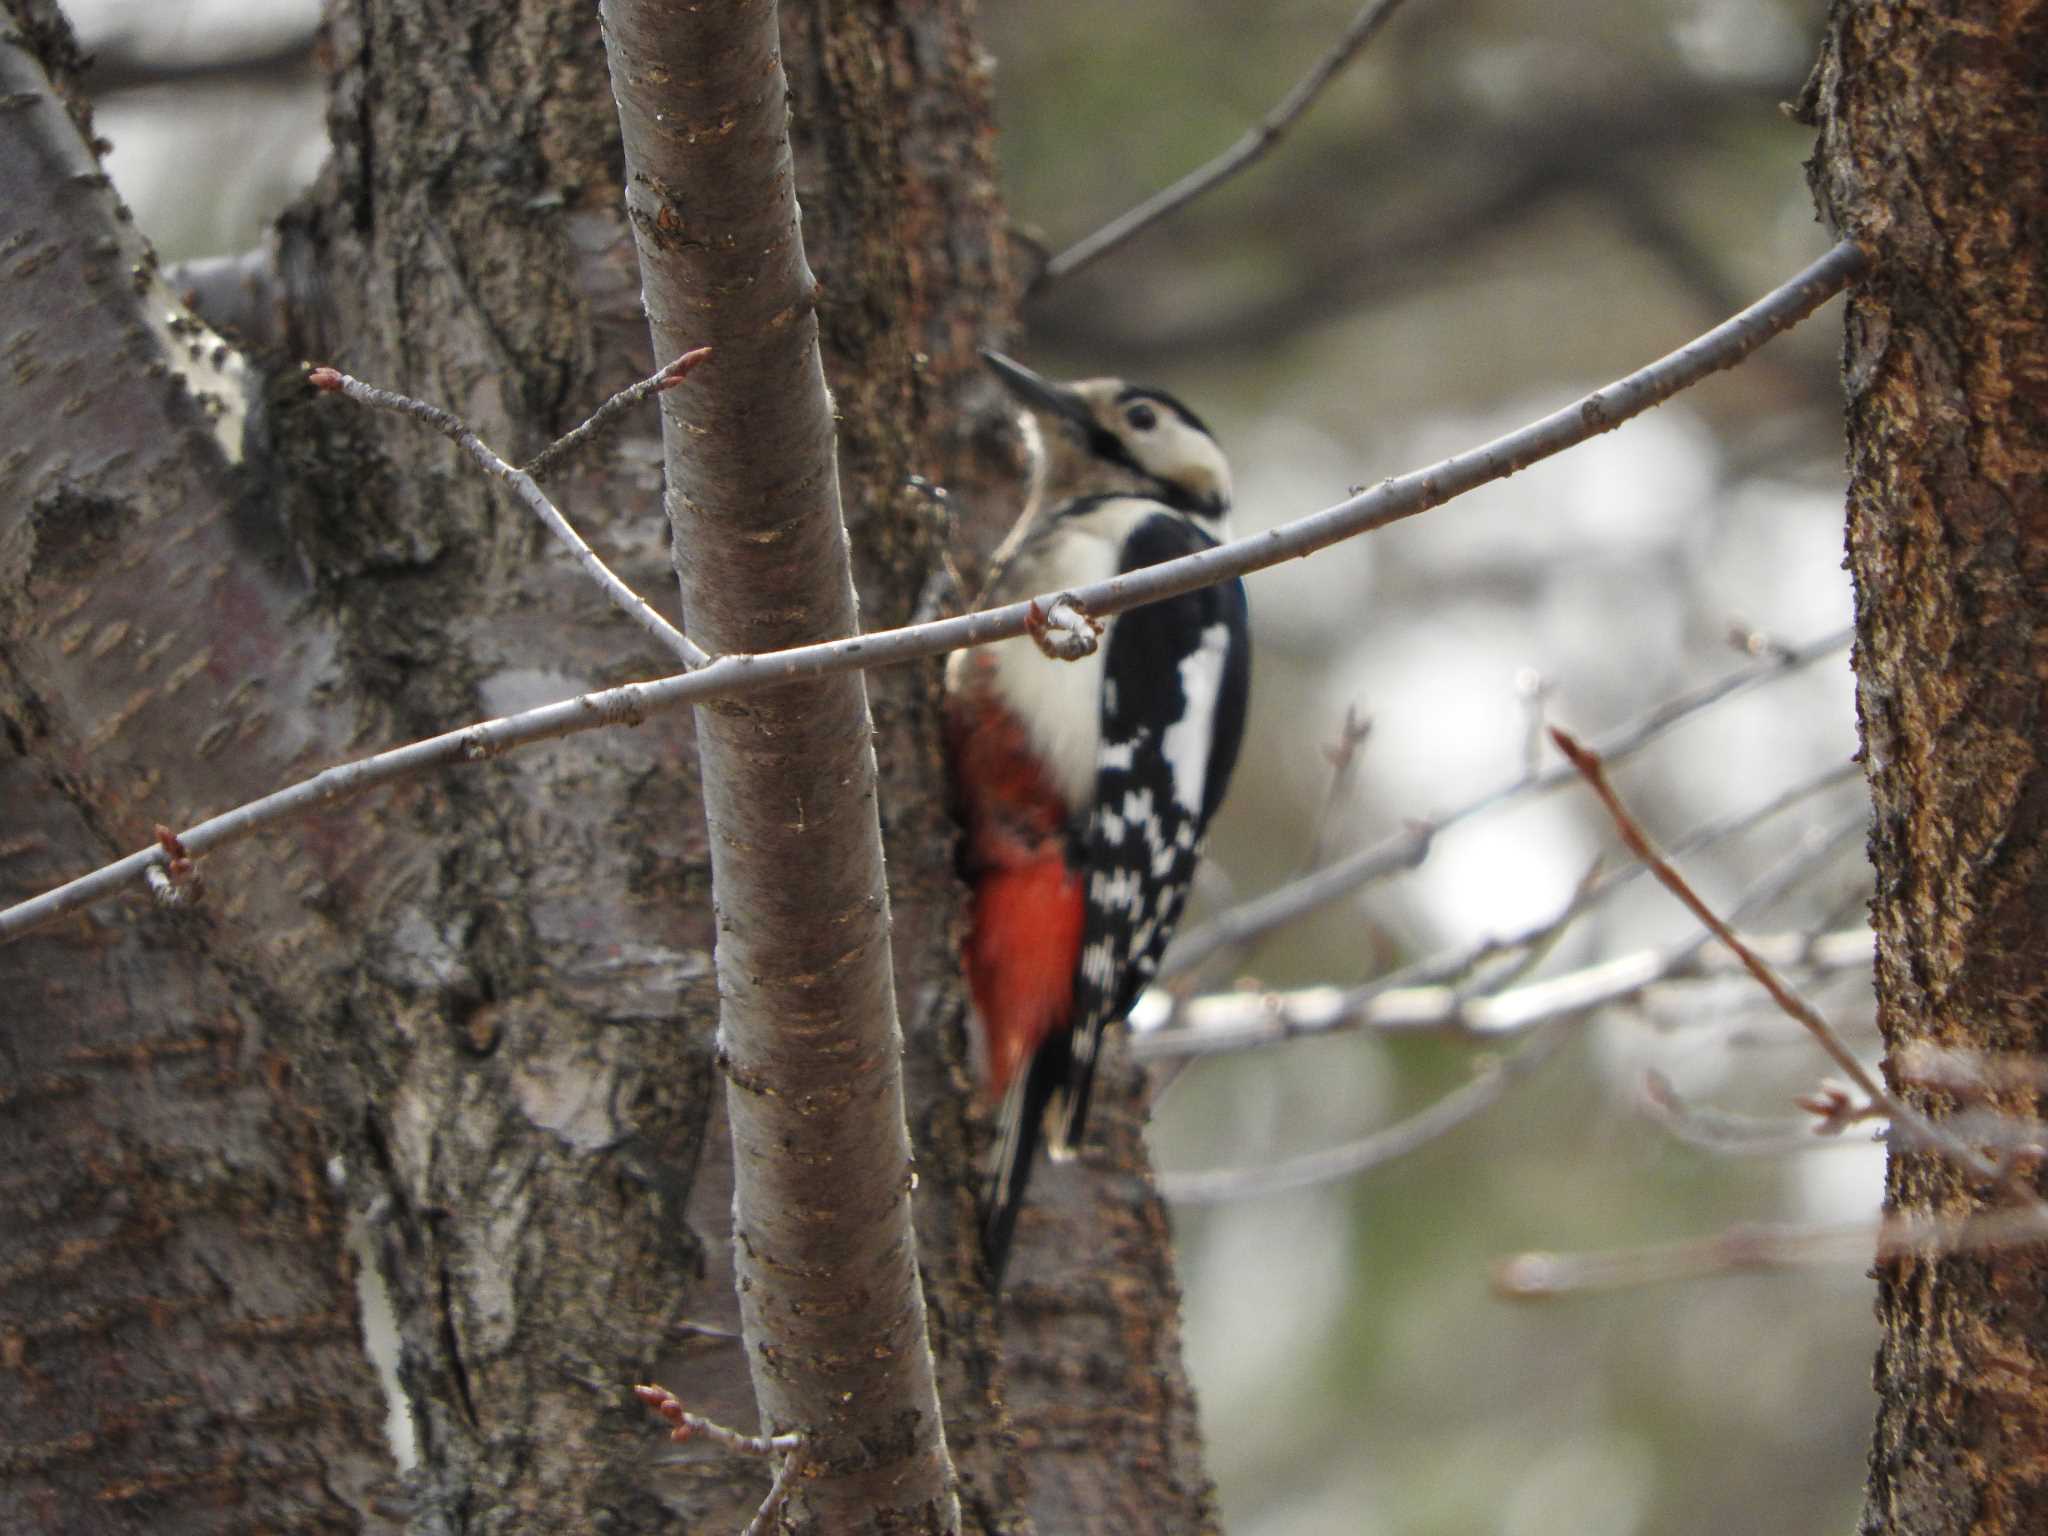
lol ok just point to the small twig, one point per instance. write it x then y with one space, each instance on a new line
542 464
1533 690
527 489
1971 1074
1835 1109
1343 756
1182 982
687 1425
1720 1132
1915 1127
1814 848
1746 1248
1225 1022
1599 886
1752 1247
945 591
1387 503
1408 848
1589 767
1531 949
1255 143
778 1494
1488 1085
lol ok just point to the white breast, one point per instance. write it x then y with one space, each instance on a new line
1060 702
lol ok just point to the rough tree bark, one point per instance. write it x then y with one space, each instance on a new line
1934 157
474 1017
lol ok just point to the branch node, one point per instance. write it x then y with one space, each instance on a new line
1062 632
175 882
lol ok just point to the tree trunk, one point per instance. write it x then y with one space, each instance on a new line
474 1016
1934 157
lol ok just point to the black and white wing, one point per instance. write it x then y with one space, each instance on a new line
1176 678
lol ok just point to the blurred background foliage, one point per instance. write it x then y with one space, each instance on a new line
1495 208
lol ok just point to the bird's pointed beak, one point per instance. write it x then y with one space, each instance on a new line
1037 392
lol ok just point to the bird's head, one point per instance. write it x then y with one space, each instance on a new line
1106 437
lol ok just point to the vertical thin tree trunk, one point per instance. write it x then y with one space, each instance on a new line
1934 156
483 1003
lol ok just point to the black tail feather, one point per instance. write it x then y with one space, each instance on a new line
1023 1129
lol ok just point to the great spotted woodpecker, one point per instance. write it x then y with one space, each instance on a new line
1083 787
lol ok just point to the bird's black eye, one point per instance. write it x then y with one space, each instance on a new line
1142 418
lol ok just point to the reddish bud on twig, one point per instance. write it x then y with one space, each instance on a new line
1834 1109
665 1403
175 882
177 862
682 368
1340 753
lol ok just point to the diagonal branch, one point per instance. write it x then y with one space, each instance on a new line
606 416
1260 138
527 489
1488 1085
1753 1247
1223 1023
1407 848
1908 1123
735 674
791 1448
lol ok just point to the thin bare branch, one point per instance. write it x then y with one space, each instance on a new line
1407 849
1600 884
792 1448
1752 1247
778 1495
523 485
727 676
1972 1074
1533 691
1814 848
1260 138
1343 755
1236 1021
1486 1089
1527 951
1182 982
1721 1132
686 1425
601 420
1915 1127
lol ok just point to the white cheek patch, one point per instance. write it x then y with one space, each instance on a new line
1176 453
